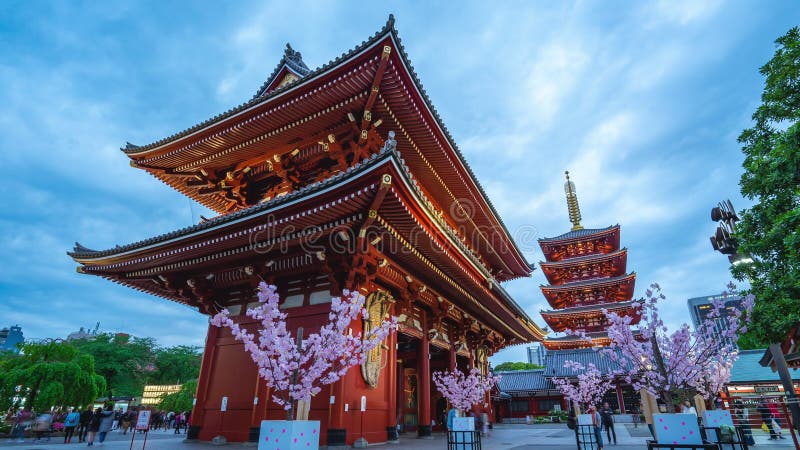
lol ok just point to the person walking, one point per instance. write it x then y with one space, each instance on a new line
83 424
70 422
776 417
596 421
94 426
766 416
607 415
42 425
106 421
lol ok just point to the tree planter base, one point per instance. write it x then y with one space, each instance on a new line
289 435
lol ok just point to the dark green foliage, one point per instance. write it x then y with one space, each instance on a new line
770 230
181 400
507 366
48 374
128 363
124 361
176 365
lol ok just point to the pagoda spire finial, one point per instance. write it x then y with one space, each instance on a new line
572 204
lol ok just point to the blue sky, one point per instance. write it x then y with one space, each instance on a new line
641 101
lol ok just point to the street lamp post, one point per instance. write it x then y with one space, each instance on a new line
724 241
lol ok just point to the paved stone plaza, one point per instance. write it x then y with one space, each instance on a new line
504 437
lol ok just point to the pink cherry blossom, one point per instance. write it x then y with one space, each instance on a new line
296 372
591 384
464 391
696 360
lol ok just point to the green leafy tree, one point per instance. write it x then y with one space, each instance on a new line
176 365
126 362
49 374
769 231
509 366
181 400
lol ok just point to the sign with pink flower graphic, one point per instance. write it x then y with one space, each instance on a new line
677 429
289 435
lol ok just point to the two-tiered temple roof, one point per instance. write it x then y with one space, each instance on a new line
586 269
353 144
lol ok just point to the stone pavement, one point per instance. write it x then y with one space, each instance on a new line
503 437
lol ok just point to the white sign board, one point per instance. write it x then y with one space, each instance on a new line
224 406
463 424
585 419
143 420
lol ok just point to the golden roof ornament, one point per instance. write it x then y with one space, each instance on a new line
572 204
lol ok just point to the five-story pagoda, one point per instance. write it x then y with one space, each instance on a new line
586 269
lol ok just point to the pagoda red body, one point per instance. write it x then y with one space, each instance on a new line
343 177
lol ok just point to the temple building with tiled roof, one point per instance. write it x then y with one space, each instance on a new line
342 177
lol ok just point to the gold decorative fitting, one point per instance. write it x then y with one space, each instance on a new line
331 138
364 134
367 115
133 163
276 158
79 269
325 147
386 51
351 117
375 89
377 123
249 270
386 179
246 169
229 176
295 152
382 262
572 204
203 171
373 213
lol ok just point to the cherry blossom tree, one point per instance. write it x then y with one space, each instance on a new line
296 368
464 391
666 363
592 385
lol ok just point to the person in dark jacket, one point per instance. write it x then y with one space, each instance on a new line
607 415
94 426
83 425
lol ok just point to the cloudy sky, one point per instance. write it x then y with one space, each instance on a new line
641 101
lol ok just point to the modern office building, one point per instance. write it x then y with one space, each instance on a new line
536 354
700 307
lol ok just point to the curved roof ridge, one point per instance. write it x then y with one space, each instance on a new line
84 252
583 232
388 27
293 60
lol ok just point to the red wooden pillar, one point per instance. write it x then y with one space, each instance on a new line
391 365
620 399
453 357
206 366
424 392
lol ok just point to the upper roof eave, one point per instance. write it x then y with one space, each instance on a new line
579 235
388 30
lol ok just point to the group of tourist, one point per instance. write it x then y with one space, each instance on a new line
90 426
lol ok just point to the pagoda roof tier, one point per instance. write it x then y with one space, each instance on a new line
278 142
599 339
583 242
588 318
274 236
591 292
585 268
